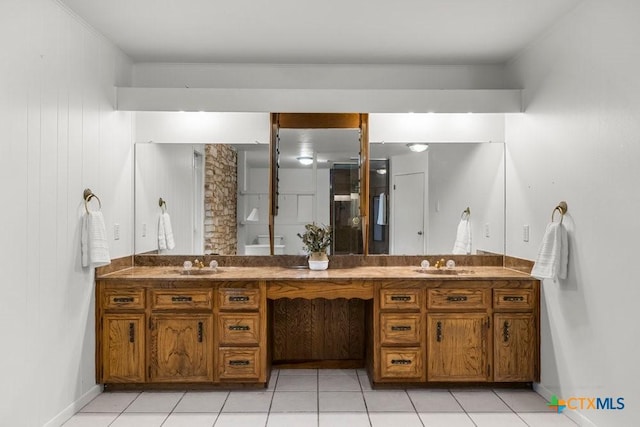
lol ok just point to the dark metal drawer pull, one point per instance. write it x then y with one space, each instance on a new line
439 331
401 328
239 328
200 332
123 299
457 299
181 299
239 363
400 298
505 331
400 362
132 332
238 299
510 298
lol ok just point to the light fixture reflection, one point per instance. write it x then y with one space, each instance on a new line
418 148
254 216
305 160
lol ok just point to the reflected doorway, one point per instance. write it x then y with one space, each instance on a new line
345 209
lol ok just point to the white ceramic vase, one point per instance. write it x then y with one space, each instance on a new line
318 261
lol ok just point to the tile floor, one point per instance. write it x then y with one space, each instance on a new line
320 398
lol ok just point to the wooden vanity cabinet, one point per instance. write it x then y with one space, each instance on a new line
159 333
399 345
121 327
458 325
515 340
241 332
181 335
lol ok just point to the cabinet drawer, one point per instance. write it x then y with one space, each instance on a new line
513 299
238 299
400 299
401 363
239 363
239 328
458 298
403 329
172 299
125 298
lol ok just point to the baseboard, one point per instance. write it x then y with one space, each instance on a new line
576 416
72 409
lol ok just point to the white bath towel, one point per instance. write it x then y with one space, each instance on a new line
462 245
165 232
382 210
553 256
94 246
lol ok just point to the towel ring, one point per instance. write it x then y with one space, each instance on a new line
562 208
163 204
87 195
466 212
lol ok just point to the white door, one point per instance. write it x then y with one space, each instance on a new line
408 214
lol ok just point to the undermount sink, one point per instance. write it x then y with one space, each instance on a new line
444 271
199 271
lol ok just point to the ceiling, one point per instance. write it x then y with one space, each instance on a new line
322 32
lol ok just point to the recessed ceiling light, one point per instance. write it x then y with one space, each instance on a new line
418 148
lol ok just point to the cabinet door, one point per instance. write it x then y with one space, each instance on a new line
457 347
181 348
123 358
514 345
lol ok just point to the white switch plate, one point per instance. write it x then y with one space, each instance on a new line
525 233
487 231
116 231
144 229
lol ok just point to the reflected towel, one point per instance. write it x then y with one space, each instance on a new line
462 245
94 246
382 210
553 256
165 232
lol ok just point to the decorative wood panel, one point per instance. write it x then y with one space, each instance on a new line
402 363
455 299
318 329
238 329
241 364
181 348
515 347
123 345
457 347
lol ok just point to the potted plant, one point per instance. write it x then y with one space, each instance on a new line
316 240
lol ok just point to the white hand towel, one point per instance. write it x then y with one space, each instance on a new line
382 210
462 245
94 246
165 232
553 256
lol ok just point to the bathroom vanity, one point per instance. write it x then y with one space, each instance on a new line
159 328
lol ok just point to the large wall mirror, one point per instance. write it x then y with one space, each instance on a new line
217 195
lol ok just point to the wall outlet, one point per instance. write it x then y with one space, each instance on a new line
525 233
144 229
487 230
116 231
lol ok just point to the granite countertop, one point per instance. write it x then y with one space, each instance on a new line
173 273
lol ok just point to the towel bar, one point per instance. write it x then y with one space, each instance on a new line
562 208
87 195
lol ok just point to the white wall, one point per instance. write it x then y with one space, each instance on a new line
59 134
579 141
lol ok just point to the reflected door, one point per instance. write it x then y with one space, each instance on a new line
408 214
